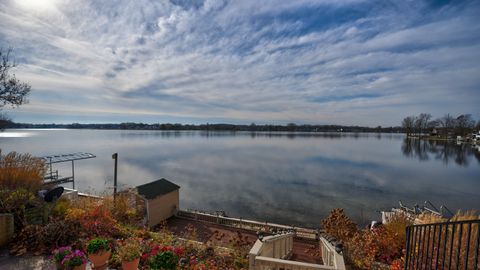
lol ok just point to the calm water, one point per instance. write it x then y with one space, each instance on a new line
280 177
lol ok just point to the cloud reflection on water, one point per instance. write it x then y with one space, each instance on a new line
286 178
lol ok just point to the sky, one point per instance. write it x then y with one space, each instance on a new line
349 62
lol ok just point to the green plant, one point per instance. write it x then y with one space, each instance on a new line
61 207
166 260
130 249
60 253
14 201
96 245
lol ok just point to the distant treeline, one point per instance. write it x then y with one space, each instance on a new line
214 127
446 126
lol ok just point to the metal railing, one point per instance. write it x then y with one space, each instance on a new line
447 245
249 224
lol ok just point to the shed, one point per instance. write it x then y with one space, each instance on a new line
161 200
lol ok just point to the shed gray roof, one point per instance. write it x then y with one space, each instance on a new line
156 188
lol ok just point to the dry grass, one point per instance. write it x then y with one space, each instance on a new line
21 171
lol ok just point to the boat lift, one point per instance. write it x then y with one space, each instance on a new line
52 177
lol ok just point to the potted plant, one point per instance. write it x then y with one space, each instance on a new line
98 250
165 258
76 260
130 252
59 254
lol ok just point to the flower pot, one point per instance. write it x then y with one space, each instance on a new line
81 267
99 259
133 265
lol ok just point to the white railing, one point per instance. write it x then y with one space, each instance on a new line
330 256
265 263
248 224
276 246
272 252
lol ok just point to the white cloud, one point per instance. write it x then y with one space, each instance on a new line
248 60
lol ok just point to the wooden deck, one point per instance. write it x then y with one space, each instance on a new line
304 250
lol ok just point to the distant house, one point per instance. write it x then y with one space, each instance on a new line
161 200
476 136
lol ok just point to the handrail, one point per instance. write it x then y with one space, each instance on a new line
448 222
405 208
293 264
248 224
330 256
271 252
443 207
434 210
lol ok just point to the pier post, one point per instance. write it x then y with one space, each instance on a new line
115 157
73 175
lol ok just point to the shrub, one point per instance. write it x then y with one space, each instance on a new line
28 239
61 207
97 245
42 239
382 244
162 257
163 260
361 250
15 201
339 225
21 171
124 208
130 249
96 220
59 232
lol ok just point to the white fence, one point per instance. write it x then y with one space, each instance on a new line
248 224
272 252
330 256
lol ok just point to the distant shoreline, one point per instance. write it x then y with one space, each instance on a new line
212 127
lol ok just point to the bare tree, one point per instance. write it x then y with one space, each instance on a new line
464 124
408 124
447 123
423 120
12 91
421 123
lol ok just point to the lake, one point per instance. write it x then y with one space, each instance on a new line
289 178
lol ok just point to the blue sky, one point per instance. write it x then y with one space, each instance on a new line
320 62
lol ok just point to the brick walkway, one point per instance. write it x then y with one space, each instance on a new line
303 250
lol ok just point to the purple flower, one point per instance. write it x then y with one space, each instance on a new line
60 253
76 258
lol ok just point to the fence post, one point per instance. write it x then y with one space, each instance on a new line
408 242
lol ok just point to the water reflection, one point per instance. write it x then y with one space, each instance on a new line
447 152
259 134
291 178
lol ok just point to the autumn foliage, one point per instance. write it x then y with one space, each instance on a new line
366 247
21 171
339 225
